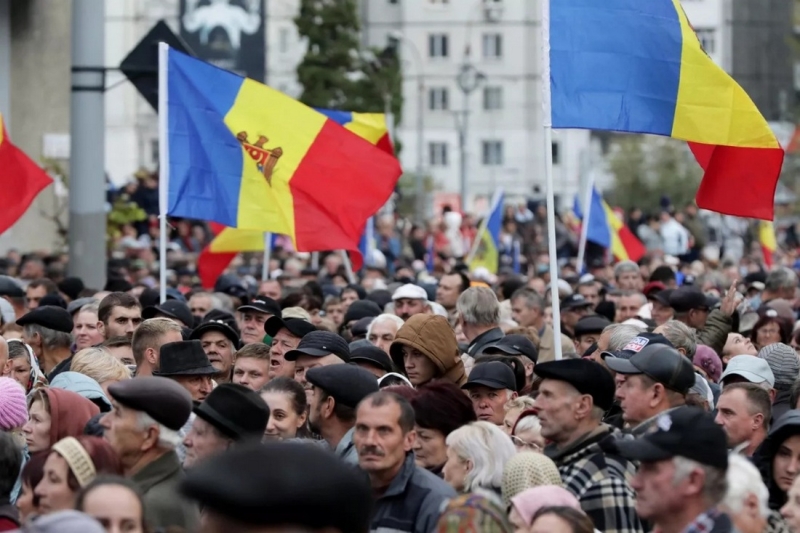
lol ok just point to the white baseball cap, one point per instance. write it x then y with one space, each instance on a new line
751 368
410 291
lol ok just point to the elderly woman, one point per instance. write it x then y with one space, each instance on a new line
22 366
527 432
513 409
476 456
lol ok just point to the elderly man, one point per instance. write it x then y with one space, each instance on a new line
147 342
317 349
747 498
490 386
410 300
119 314
220 341
682 473
692 308
628 277
479 317
383 329
744 411
253 316
231 414
286 334
613 338
143 429
573 397
781 283
187 364
527 310
47 330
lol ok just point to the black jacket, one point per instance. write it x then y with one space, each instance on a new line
483 340
783 428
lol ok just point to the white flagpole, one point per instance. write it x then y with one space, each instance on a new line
587 211
548 172
163 166
369 235
267 256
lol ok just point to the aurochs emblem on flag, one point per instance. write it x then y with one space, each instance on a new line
265 158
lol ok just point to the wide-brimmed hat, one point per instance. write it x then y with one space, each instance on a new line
184 358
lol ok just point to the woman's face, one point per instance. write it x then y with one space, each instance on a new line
18 369
25 504
455 470
53 490
37 428
85 330
430 450
786 464
510 419
116 507
769 333
283 420
529 440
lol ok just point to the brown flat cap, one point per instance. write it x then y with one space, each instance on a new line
163 399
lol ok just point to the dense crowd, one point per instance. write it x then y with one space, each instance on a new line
409 401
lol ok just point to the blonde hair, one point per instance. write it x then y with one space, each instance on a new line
100 365
148 334
520 402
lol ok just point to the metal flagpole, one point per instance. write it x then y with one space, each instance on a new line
548 172
267 256
586 217
163 167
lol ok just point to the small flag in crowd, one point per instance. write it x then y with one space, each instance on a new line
21 180
607 230
768 241
638 67
223 248
247 156
486 249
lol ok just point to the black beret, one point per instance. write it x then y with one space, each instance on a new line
236 411
309 487
361 309
347 384
372 355
50 317
162 398
591 324
585 375
9 287
320 344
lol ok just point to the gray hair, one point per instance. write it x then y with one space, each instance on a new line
620 335
168 439
681 336
716 482
780 278
744 480
642 297
92 307
478 306
385 317
51 339
222 301
529 423
532 299
487 448
625 266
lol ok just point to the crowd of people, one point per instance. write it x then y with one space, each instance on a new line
407 401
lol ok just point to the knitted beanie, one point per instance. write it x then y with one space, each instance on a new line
13 406
706 358
783 362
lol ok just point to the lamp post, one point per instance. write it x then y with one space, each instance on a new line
469 79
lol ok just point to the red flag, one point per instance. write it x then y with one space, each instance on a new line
210 264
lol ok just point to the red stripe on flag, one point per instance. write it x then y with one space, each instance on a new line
633 246
210 265
21 180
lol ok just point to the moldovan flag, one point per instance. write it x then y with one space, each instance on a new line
607 230
247 156
638 67
486 249
768 241
21 180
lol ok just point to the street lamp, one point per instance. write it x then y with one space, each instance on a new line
469 79
419 206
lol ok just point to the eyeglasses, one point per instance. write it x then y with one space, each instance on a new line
769 331
523 445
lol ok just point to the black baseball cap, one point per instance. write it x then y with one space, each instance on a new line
221 321
686 431
591 324
685 299
585 375
661 363
320 344
575 301
9 287
173 309
637 344
662 297
262 304
514 345
494 374
296 326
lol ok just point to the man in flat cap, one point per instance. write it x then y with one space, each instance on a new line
573 397
220 341
231 414
694 309
279 486
521 348
286 334
318 348
143 429
48 331
588 331
338 389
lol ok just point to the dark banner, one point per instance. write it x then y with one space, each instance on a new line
227 33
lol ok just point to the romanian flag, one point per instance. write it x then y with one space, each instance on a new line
247 156
768 241
637 66
607 230
486 249
217 255
21 180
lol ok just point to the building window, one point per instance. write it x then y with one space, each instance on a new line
437 45
437 154
492 45
438 99
708 39
492 98
556 154
492 153
283 40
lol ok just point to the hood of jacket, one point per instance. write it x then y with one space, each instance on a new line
783 428
69 413
83 385
433 337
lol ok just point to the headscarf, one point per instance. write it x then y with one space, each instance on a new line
531 500
69 413
526 470
476 512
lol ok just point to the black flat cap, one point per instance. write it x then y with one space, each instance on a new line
661 363
371 355
585 375
685 299
172 309
262 304
494 374
9 287
662 297
309 488
54 299
361 326
216 320
347 384
514 345
591 324
236 411
50 317
163 399
575 301
361 309
296 326
184 358
320 344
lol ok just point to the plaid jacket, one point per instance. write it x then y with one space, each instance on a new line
601 482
